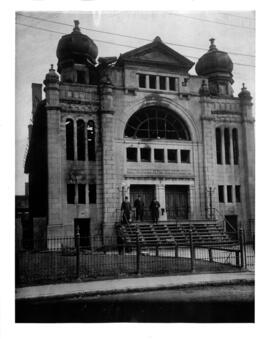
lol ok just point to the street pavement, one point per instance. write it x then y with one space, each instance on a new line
92 288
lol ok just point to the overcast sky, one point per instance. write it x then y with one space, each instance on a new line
36 49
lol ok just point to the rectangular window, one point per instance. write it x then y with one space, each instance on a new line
229 193
172 84
162 83
70 193
227 146
146 154
235 146
159 155
131 154
172 155
237 193
152 81
81 193
142 80
221 193
218 146
92 193
185 156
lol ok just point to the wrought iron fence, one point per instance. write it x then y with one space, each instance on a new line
66 259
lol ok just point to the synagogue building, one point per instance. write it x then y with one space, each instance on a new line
138 124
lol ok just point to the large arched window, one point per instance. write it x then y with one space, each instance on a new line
156 123
91 140
80 140
69 139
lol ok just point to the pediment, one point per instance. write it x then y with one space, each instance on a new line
156 53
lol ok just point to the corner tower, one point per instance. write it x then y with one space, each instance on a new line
76 54
217 66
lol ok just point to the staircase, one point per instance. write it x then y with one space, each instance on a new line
204 233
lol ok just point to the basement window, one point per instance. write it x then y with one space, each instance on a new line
81 193
159 155
185 156
229 193
221 193
92 193
146 154
70 193
132 154
172 155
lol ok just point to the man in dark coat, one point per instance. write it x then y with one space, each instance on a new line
125 210
154 208
139 205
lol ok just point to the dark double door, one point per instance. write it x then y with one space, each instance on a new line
177 201
147 193
176 198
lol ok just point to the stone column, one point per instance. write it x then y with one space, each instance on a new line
248 150
209 149
108 158
160 194
54 147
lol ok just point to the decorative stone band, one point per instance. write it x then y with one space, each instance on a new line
225 112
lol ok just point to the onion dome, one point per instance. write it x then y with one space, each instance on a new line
76 48
51 77
214 61
244 94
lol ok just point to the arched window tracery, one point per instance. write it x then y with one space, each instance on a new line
156 123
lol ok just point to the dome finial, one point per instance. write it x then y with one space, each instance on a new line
243 86
51 69
76 26
212 45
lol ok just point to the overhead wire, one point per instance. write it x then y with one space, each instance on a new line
111 43
125 36
212 21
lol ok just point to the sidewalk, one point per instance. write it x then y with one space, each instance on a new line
92 288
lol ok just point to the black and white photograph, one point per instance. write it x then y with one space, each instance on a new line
135 166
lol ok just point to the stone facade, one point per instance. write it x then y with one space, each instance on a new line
110 100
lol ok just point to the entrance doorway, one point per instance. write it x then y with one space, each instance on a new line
84 228
232 225
176 201
147 193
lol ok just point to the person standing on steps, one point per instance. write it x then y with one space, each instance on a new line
139 205
154 208
125 210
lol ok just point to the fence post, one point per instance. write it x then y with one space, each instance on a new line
210 254
237 258
157 250
191 250
17 267
241 248
77 243
176 251
138 250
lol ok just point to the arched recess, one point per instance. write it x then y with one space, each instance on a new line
156 122
179 110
